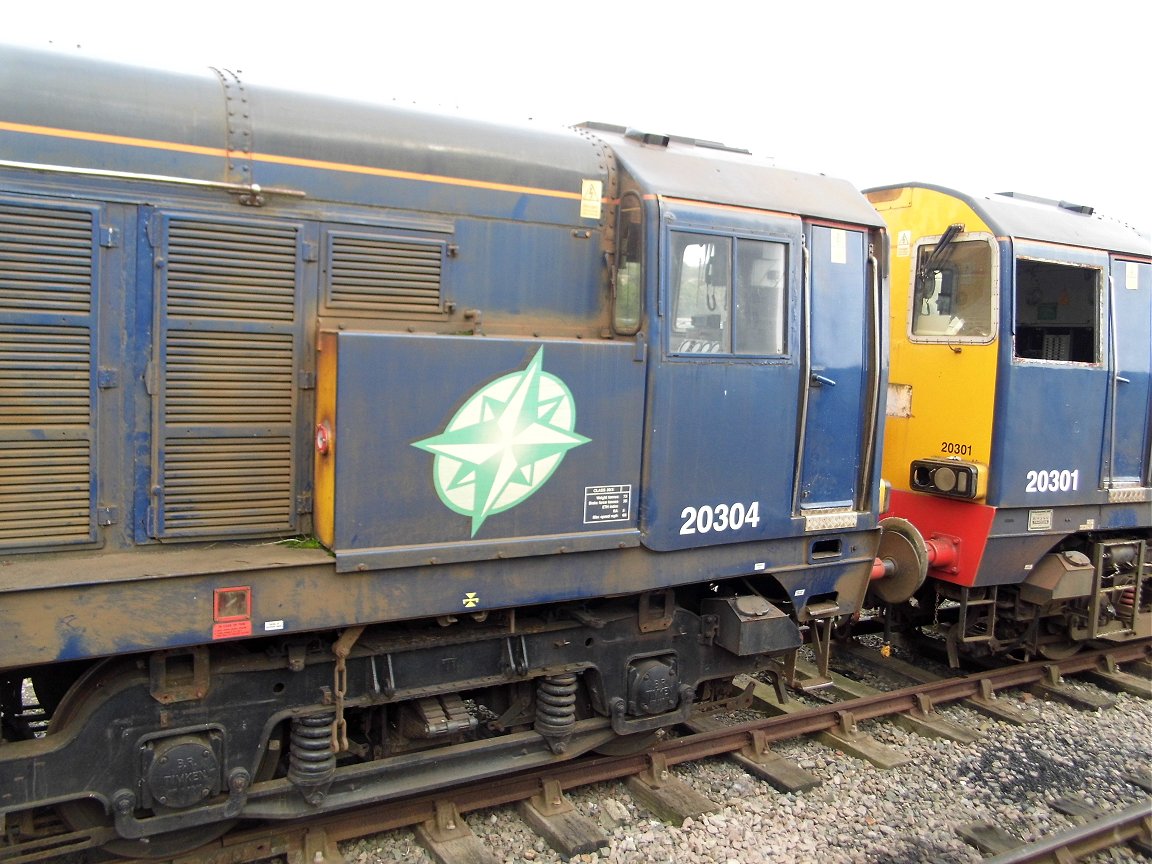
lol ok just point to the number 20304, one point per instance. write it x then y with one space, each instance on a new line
722 517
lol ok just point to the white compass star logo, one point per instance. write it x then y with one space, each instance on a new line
504 443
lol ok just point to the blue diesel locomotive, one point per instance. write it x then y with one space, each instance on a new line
1019 435
564 430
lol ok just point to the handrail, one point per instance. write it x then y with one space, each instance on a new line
805 373
251 193
874 390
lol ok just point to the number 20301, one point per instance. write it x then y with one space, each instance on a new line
1053 481
722 517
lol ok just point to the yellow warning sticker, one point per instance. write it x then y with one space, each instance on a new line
591 191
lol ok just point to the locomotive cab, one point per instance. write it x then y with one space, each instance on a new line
728 412
1019 415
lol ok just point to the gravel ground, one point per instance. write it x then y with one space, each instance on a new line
860 814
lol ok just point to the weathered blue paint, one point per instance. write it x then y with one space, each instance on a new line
523 270
1130 395
386 498
1076 423
495 274
721 429
1054 416
831 462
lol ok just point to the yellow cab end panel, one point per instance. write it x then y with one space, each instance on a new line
942 369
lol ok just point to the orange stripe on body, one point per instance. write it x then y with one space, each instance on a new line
272 159
410 175
102 138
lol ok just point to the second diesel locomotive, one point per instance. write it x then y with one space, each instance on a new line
1020 421
586 423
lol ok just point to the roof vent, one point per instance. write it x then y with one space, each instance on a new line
648 137
1063 205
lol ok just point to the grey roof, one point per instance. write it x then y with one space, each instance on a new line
705 171
1015 215
61 90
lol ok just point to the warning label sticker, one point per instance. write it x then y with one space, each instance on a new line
231 629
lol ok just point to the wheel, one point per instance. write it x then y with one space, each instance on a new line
28 699
1058 643
628 745
96 684
88 813
842 628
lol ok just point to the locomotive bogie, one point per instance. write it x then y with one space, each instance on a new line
1069 598
196 735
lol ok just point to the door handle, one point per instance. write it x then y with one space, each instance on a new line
820 380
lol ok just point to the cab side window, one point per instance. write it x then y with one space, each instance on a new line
629 276
701 269
1057 312
728 295
759 324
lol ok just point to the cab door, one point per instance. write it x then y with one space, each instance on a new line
722 414
1052 397
1131 321
841 375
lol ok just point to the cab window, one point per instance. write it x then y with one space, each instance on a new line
954 296
629 277
728 295
759 298
1057 312
701 270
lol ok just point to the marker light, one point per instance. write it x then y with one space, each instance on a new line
948 477
323 439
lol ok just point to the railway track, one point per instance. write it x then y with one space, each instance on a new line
834 712
1098 832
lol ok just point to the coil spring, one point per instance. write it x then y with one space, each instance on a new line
1126 605
556 709
311 761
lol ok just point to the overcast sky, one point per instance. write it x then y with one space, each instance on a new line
1049 99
